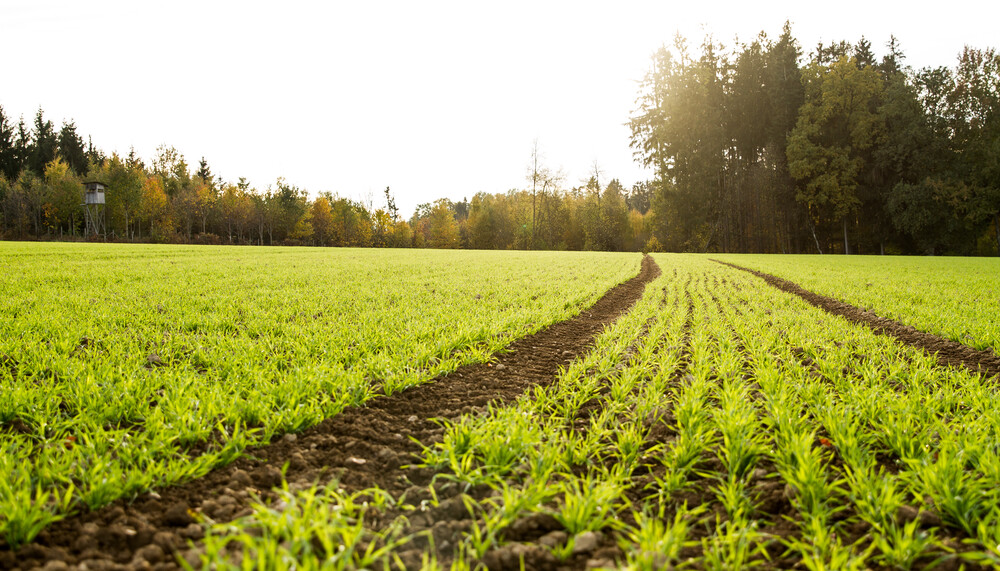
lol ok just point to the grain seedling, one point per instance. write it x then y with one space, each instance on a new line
655 542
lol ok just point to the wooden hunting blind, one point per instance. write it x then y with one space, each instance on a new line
93 208
95 192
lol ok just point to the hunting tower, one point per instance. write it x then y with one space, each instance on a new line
93 208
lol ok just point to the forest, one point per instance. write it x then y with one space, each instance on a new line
757 147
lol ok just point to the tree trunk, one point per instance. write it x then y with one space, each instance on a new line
532 243
847 246
812 228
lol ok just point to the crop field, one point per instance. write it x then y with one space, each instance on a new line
126 368
717 423
956 298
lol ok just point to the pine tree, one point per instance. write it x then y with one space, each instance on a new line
71 149
43 146
204 172
10 164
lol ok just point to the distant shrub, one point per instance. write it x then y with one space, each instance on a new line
652 245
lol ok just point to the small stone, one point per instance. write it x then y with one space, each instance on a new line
929 519
266 477
535 523
89 528
83 542
387 455
193 531
55 565
419 521
111 535
167 540
225 513
412 418
290 437
241 478
553 539
193 558
501 366
906 514
586 541
209 508
358 461
600 564
226 500
151 553
177 515
115 514
453 509
440 531
298 462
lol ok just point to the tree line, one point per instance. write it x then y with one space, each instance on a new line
41 192
757 148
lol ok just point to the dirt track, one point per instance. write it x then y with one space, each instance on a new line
361 447
948 352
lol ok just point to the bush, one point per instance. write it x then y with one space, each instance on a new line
652 245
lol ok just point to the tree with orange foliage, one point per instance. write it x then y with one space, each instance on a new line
155 209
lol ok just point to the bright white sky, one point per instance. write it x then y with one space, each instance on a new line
435 99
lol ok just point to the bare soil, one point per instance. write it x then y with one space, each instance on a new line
363 447
948 352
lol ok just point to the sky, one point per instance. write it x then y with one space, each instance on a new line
433 99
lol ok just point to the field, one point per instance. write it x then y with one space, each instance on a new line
234 408
957 298
127 368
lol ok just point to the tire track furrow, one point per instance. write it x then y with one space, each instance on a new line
947 352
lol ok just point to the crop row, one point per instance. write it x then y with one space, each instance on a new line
720 424
956 298
131 367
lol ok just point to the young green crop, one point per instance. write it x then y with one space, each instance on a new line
958 298
716 389
118 361
719 424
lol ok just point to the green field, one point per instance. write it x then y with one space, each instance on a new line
719 424
127 367
956 298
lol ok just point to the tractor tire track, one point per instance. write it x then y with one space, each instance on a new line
947 352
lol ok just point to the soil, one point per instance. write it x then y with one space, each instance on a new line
363 447
948 352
